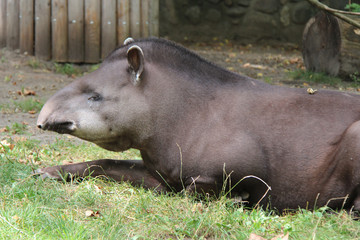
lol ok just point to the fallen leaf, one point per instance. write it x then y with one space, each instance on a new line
20 160
20 139
281 237
5 143
197 208
3 130
91 213
311 91
32 111
255 66
67 162
253 236
29 92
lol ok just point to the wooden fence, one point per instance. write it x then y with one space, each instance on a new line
75 30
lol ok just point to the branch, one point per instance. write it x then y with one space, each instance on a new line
337 13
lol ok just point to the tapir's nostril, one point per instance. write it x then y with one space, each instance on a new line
60 127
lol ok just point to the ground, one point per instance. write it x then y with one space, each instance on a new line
26 80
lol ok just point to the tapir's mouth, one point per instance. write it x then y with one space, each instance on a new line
59 127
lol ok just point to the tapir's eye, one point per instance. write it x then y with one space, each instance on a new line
95 97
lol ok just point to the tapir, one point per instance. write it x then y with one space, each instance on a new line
203 129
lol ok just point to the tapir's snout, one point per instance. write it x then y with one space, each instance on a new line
49 120
58 126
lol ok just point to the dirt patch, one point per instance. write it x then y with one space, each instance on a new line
21 74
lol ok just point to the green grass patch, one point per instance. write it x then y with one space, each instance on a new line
16 128
317 78
68 69
35 63
24 104
28 104
33 208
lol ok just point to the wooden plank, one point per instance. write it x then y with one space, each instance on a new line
2 23
108 27
27 26
59 33
123 25
76 30
12 24
92 31
135 13
145 7
42 29
154 18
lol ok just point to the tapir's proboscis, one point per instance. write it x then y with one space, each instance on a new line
200 127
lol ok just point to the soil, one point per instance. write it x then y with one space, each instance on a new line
22 75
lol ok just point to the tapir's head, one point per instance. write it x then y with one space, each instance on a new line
106 107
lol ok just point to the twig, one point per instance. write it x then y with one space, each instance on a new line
337 13
181 166
326 206
4 219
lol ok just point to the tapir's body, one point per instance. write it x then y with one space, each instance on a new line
197 124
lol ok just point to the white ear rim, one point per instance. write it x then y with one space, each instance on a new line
137 74
128 40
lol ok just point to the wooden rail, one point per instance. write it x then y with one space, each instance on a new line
75 30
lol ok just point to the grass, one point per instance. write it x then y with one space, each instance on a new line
68 69
317 78
24 104
32 208
16 128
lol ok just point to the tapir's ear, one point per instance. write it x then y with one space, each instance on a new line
128 40
135 58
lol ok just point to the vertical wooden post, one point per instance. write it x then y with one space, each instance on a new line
154 18
27 26
59 33
108 27
123 26
42 29
12 24
2 23
135 18
76 30
92 31
145 7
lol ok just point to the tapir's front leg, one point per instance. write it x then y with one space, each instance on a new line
132 171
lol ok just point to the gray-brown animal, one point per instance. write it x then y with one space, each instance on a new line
196 123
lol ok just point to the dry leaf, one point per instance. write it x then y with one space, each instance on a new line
255 66
24 161
5 143
197 208
91 213
3 130
29 92
67 162
253 236
281 237
311 91
32 111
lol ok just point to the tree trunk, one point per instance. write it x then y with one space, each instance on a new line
331 45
